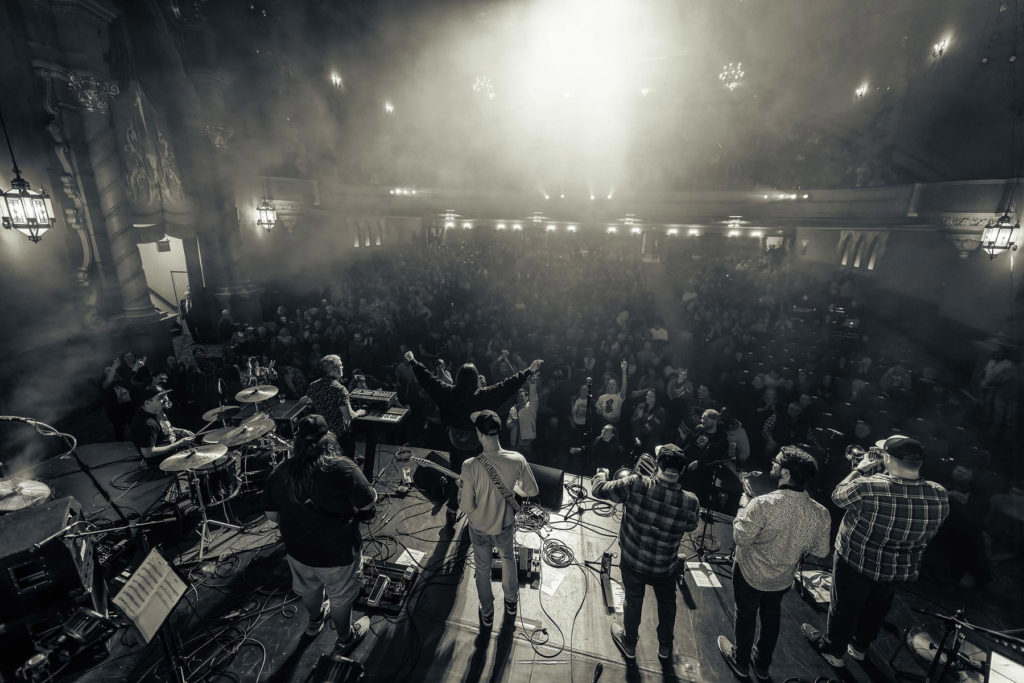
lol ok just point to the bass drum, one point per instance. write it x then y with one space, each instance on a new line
217 482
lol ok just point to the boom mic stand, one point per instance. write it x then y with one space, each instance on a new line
44 429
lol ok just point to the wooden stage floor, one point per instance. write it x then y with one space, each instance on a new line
239 622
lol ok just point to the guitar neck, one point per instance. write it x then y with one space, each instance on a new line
423 462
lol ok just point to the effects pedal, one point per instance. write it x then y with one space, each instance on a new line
384 586
527 564
606 581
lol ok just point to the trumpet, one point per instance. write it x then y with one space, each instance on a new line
645 465
855 454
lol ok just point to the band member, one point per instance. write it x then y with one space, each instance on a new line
656 514
151 431
316 497
457 402
891 516
772 533
330 399
489 516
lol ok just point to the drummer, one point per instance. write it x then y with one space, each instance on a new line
151 431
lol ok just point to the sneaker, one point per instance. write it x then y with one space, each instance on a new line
619 638
815 638
359 630
665 651
856 653
485 622
316 624
511 606
761 672
729 655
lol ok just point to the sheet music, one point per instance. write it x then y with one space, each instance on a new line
150 594
703 575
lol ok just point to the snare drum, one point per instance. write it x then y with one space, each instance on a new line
216 482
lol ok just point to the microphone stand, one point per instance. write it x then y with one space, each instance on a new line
709 520
587 421
44 429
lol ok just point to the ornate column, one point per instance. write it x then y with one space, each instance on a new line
93 95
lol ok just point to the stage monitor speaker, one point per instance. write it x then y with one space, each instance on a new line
38 568
430 481
550 481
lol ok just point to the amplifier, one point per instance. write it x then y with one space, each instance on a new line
37 569
285 414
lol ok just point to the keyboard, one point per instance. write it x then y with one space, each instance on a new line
389 416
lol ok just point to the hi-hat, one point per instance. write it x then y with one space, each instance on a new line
194 458
216 413
256 394
253 419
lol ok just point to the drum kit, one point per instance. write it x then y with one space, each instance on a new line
230 459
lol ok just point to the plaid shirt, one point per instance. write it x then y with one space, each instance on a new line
888 523
655 516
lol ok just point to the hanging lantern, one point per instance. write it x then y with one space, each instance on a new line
266 216
1000 236
28 211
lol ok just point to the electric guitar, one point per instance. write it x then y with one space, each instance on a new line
408 457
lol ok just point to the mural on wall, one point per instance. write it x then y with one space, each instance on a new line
152 176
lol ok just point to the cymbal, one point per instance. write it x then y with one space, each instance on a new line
215 413
256 394
253 419
17 494
194 458
245 434
217 435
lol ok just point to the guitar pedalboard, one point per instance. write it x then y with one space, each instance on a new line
384 586
527 562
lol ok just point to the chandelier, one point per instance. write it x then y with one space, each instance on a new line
28 211
731 75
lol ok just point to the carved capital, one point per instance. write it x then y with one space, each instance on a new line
93 94
965 242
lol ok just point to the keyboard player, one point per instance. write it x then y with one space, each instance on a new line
331 399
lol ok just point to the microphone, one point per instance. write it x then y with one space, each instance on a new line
589 381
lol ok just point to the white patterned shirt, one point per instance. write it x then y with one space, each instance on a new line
774 531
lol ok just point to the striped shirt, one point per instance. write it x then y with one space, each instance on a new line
655 516
888 523
774 531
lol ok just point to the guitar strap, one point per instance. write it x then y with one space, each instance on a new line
499 484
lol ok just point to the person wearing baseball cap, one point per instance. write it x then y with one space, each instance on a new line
891 515
151 431
648 550
490 518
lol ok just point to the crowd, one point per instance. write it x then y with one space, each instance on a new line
767 354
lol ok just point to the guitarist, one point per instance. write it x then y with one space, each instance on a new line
487 482
456 403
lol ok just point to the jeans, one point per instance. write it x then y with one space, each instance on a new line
749 603
856 610
342 588
635 586
505 543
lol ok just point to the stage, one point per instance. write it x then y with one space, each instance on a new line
239 621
